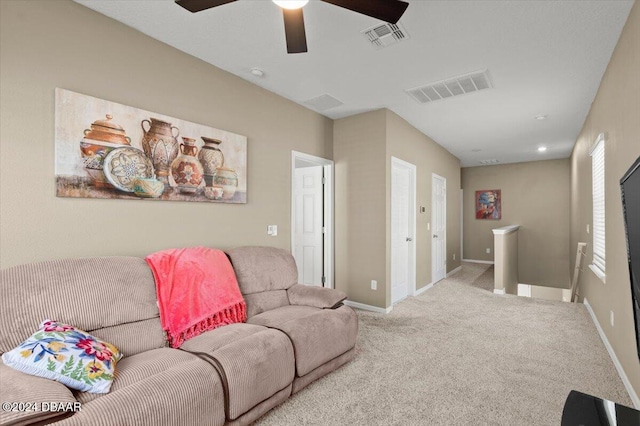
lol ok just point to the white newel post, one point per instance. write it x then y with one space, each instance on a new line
505 241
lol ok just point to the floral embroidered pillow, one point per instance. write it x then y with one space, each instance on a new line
64 353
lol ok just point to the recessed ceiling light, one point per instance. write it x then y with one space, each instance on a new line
291 4
476 150
257 72
542 148
541 117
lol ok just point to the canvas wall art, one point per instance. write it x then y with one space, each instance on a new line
109 150
489 204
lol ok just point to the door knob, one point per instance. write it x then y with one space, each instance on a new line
409 239
435 236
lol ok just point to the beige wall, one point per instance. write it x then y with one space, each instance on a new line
362 149
407 143
49 44
535 195
360 220
616 112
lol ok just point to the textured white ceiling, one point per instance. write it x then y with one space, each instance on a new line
544 57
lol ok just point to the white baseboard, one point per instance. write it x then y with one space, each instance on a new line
498 291
458 269
423 289
614 358
366 307
486 262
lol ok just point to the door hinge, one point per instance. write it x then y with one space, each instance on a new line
324 180
324 229
324 280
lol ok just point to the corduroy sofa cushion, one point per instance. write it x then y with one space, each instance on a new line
187 393
91 294
318 335
19 389
261 269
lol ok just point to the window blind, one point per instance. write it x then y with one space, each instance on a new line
597 170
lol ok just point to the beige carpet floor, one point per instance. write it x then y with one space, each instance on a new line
459 355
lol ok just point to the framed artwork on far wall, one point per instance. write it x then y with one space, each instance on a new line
489 204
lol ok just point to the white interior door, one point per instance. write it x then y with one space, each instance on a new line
402 229
308 232
439 228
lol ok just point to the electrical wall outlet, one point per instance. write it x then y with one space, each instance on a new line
454 256
611 318
272 230
488 250
587 228
374 285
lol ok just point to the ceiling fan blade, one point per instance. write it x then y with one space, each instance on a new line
198 5
385 10
294 30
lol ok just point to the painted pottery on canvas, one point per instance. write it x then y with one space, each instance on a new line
211 158
107 131
161 146
214 192
103 137
123 165
148 187
186 170
228 180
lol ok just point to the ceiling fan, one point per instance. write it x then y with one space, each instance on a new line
385 10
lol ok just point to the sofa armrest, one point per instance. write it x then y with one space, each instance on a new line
318 297
31 392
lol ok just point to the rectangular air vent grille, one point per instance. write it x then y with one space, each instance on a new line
490 161
383 35
323 102
450 87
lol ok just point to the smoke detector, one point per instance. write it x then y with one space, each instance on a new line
384 35
451 87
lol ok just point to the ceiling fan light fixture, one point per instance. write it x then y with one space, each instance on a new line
291 4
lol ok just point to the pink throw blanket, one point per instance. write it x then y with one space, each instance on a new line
197 291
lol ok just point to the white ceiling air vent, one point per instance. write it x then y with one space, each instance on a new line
450 87
323 102
489 161
383 35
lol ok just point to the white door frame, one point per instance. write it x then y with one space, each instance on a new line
411 291
444 179
328 169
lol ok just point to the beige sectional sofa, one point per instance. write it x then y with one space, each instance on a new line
232 375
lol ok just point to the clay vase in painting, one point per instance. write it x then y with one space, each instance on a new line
228 180
186 168
160 145
103 137
211 158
